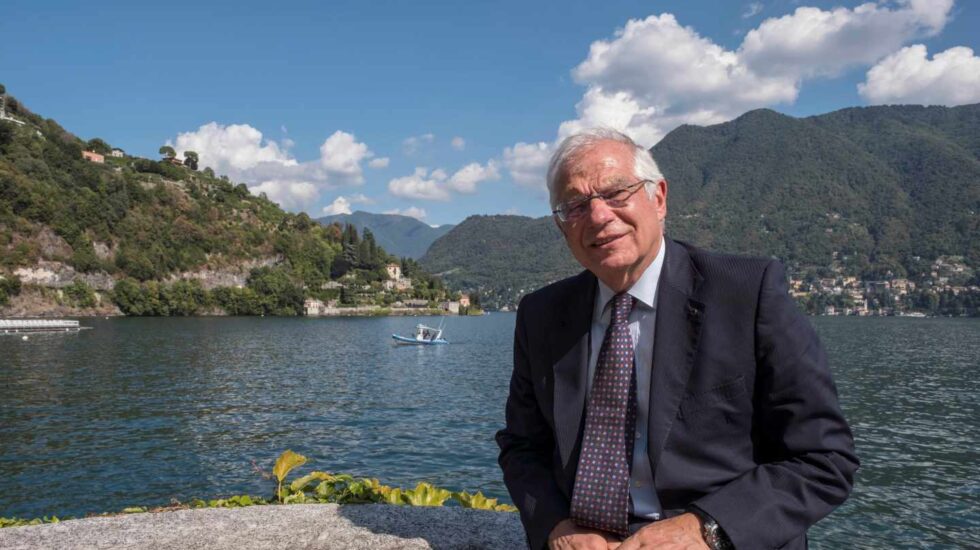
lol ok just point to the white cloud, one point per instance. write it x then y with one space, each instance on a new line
341 155
621 111
436 186
528 162
466 179
458 143
291 195
411 145
361 198
421 185
635 84
380 162
340 205
411 211
753 9
813 42
241 152
232 149
951 78
638 86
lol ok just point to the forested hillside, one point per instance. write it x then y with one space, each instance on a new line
503 256
880 189
178 240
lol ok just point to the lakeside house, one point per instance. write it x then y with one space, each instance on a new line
313 307
395 279
92 156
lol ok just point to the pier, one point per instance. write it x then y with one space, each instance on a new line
19 326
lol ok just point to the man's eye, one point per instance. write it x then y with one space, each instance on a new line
617 195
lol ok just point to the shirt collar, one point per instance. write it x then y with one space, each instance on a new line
644 290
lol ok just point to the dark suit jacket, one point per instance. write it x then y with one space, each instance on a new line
744 421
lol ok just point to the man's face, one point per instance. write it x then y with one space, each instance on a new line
616 244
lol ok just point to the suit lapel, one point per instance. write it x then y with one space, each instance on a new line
570 345
676 337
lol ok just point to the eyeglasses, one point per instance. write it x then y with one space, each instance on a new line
577 208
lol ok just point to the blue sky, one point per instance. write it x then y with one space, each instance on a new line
443 110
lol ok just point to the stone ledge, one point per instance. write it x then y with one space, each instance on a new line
308 526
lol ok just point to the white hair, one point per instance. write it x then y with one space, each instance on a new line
644 167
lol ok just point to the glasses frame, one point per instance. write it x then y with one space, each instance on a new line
567 207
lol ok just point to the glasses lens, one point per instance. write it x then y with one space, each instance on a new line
574 209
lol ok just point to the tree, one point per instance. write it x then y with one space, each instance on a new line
9 286
99 146
190 159
6 133
168 151
208 172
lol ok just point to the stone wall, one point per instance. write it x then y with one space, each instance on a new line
308 526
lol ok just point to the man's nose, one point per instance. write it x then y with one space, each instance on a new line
599 211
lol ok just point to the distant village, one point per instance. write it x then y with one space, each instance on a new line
847 295
395 283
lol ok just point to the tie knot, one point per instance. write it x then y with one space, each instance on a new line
622 305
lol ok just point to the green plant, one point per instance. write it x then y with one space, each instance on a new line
18 522
284 464
480 502
425 494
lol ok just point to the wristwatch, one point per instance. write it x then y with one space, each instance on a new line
712 533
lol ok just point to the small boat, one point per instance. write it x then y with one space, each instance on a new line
424 336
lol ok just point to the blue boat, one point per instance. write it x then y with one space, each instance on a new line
424 336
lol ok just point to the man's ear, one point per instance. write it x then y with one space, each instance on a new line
662 191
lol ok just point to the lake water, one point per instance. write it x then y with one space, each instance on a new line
139 411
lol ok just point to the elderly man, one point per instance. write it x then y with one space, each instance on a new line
665 397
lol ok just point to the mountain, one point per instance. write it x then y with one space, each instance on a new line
877 185
503 256
402 236
874 192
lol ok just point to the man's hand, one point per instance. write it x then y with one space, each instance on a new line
678 533
567 535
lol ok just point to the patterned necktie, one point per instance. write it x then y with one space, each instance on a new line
600 498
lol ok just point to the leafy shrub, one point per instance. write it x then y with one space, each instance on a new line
80 294
9 286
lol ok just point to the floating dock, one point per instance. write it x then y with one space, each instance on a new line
19 326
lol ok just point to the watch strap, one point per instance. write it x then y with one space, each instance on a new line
712 533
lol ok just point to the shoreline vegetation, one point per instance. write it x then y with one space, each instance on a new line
316 487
